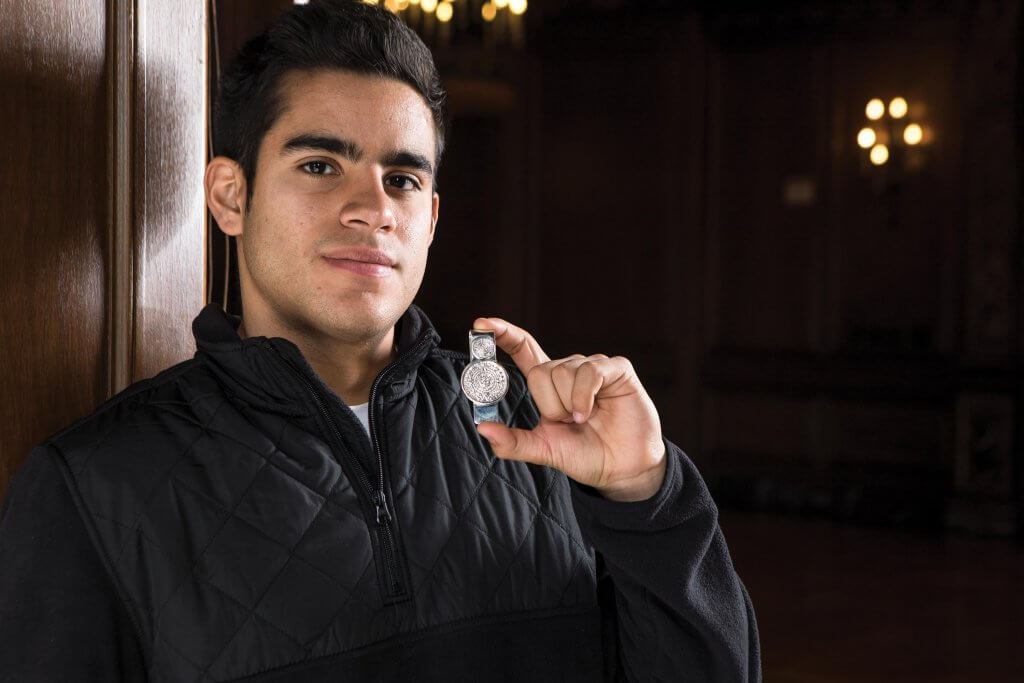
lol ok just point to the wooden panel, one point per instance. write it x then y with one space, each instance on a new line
54 216
170 143
103 155
766 238
617 195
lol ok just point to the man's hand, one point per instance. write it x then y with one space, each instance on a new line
597 423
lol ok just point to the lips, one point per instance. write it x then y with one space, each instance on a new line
360 260
361 254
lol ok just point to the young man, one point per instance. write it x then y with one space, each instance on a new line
309 498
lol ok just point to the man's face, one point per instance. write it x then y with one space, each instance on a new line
344 177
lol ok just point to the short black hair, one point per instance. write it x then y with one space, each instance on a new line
325 34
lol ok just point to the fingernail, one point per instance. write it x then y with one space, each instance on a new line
577 417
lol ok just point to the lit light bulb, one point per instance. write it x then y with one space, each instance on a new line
866 137
501 4
517 6
428 5
913 134
414 2
444 11
488 11
879 155
391 5
898 108
403 5
875 109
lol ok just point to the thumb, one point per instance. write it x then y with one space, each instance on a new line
514 444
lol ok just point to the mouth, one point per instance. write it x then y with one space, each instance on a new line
361 261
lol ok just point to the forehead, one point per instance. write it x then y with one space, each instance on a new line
372 111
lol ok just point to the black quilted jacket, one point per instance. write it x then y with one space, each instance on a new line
229 519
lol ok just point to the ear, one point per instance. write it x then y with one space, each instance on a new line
433 215
224 183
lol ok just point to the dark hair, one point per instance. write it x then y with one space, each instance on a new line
324 34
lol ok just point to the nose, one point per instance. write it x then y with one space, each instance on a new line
367 204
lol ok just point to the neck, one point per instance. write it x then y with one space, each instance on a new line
348 368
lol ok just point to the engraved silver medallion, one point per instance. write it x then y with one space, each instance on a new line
484 382
482 348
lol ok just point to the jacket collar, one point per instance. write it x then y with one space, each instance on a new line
262 370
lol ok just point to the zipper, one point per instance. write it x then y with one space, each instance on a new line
380 500
395 584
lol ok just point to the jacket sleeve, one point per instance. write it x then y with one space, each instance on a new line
61 618
681 612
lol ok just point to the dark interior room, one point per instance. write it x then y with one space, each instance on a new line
800 221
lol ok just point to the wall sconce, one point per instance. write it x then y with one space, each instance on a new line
893 141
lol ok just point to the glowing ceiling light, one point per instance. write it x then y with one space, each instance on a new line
879 155
913 134
898 108
517 6
875 109
428 5
866 138
444 11
488 11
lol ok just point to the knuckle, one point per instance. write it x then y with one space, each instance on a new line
562 370
535 374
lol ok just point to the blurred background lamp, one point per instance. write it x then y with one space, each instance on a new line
488 11
517 6
913 134
875 109
500 3
428 5
402 5
866 137
444 11
898 108
879 154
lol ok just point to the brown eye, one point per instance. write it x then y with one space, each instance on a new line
319 168
412 184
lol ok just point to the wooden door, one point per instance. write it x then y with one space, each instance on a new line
103 116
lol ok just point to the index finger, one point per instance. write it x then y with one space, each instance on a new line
515 341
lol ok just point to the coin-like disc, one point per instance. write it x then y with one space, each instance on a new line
483 347
484 382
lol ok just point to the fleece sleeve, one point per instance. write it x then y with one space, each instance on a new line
681 612
60 617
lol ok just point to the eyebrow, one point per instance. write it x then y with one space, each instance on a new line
353 152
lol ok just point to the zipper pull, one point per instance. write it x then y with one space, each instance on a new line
382 506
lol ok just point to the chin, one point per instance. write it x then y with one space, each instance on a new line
359 319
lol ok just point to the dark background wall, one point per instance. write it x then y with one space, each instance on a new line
673 181
680 183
